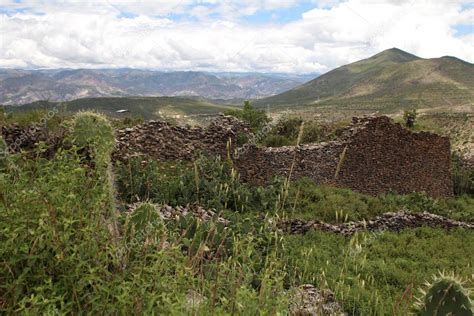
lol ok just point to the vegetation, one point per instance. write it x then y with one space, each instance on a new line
285 132
178 108
63 252
256 118
388 82
446 296
409 117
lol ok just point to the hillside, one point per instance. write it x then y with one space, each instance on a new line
189 110
25 86
387 82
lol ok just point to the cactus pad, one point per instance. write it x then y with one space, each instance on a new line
446 295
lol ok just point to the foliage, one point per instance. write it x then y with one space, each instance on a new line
463 177
256 118
126 122
409 117
57 255
142 214
380 278
285 133
331 204
210 181
51 118
273 140
445 296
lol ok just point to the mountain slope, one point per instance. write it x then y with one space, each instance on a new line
388 81
181 109
25 86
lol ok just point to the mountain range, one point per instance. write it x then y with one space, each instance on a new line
25 86
387 82
390 80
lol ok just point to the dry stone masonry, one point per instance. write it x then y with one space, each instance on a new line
163 141
388 221
374 155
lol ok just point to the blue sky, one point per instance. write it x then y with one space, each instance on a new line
228 35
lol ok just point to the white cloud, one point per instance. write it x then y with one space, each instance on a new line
95 34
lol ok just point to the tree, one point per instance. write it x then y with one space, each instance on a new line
409 117
256 118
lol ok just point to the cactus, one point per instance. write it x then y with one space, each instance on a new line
446 295
3 153
93 130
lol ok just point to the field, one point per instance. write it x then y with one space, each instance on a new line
177 109
78 238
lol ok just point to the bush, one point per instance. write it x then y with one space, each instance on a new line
286 132
277 141
463 178
57 256
256 118
210 181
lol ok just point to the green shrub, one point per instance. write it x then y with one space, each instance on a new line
409 117
143 214
463 177
210 181
256 118
286 131
277 141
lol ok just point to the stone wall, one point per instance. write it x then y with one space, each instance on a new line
163 141
377 155
380 156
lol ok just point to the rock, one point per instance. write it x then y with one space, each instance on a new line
194 300
168 212
387 221
309 301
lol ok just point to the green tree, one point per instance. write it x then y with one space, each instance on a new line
256 118
409 117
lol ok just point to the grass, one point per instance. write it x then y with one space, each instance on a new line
373 280
180 109
59 255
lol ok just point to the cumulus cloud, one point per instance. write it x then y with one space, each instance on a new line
215 35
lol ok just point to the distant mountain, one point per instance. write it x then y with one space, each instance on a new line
388 81
25 86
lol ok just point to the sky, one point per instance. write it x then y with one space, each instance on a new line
286 36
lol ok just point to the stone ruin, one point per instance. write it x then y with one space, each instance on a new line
374 155
163 141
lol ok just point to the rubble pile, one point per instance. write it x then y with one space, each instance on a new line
309 300
163 141
168 212
20 138
393 221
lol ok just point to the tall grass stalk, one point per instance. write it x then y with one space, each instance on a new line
340 163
